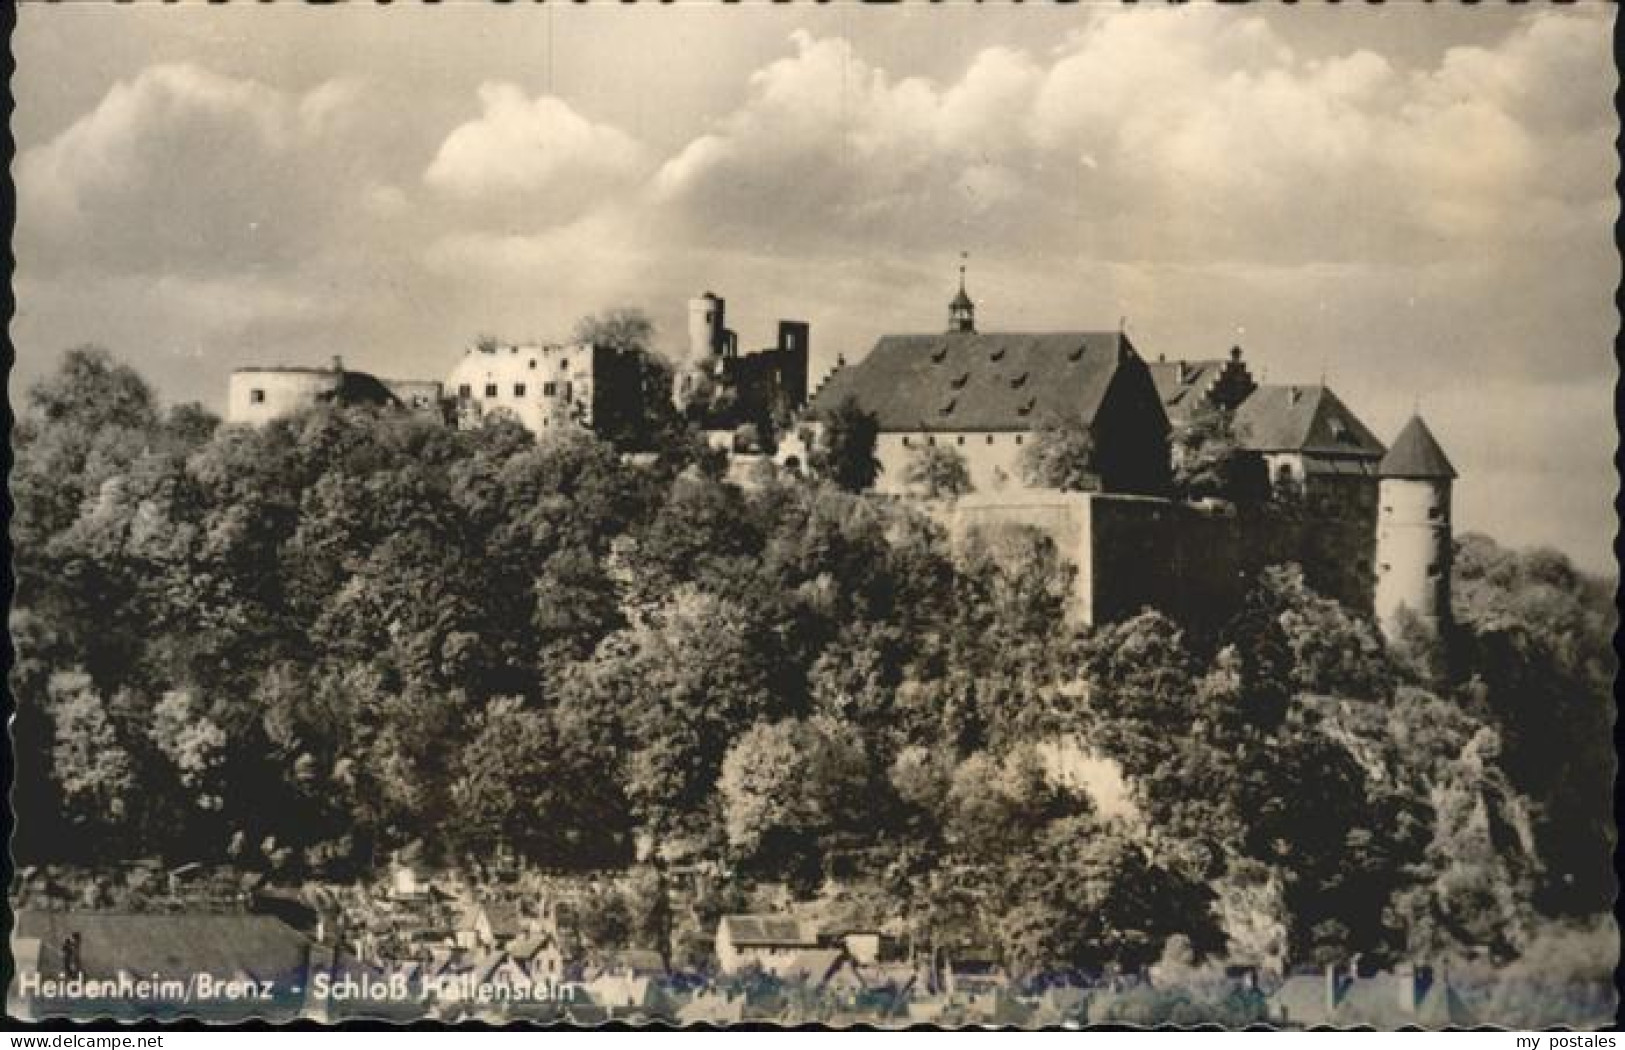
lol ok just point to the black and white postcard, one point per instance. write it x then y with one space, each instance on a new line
855 514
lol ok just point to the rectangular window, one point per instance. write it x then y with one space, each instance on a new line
464 390
1435 513
961 439
256 397
990 439
519 390
564 365
906 442
549 389
1018 439
567 390
533 362
490 390
932 440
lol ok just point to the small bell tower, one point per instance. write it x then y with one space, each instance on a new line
961 311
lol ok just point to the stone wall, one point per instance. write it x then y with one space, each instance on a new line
993 459
259 395
1130 552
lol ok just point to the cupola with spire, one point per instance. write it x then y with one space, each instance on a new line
961 311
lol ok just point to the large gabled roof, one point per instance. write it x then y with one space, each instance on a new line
768 930
1416 454
1304 419
979 380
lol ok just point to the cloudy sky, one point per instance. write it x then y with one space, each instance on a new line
1414 201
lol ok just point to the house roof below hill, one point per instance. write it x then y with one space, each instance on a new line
767 931
169 945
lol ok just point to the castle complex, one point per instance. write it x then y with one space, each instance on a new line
1370 525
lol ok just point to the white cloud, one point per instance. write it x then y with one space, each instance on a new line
1181 134
521 145
181 168
1413 219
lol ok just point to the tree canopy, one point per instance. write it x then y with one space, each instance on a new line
307 643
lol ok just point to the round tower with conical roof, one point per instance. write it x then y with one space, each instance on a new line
1413 530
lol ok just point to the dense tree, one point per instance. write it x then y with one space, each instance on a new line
786 787
1061 455
300 645
1210 459
937 471
845 451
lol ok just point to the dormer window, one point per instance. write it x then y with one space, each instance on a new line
256 396
1019 381
959 381
996 355
939 355
1027 406
949 407
1077 352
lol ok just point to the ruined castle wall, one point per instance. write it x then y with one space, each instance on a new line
259 395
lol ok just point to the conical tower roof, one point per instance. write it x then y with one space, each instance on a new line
1416 454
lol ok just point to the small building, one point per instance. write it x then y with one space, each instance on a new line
768 942
540 953
973 972
492 924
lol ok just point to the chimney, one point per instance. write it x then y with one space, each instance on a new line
1183 371
1331 989
1294 394
1235 353
338 363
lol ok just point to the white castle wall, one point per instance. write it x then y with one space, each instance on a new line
259 395
993 459
543 387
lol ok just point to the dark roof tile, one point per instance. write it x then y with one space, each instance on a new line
1416 454
979 380
1307 419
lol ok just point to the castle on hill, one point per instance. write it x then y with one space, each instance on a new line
1371 526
